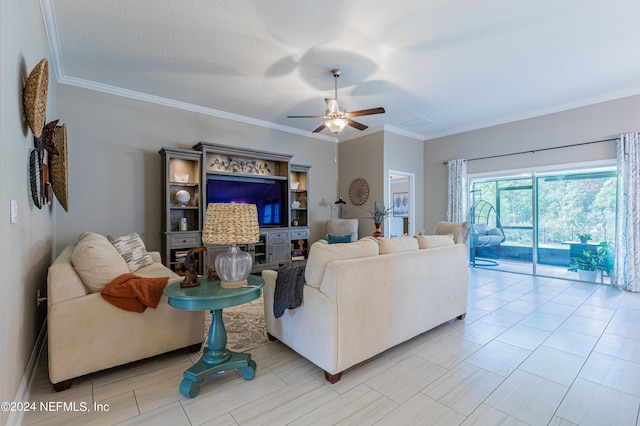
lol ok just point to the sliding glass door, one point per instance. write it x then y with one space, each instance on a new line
511 199
570 206
541 215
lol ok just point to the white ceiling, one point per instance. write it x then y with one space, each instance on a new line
462 64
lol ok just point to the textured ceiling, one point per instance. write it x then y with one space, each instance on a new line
461 64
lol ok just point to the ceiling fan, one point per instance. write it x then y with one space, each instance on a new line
337 118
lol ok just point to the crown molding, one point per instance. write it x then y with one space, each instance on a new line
131 94
402 132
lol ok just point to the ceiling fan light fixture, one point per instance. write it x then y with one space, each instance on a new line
336 125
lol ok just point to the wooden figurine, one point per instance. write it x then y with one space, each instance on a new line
191 278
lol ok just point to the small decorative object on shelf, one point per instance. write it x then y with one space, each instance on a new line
181 177
183 197
191 268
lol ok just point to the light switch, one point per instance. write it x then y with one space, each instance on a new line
14 211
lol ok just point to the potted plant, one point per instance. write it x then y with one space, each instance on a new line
584 237
605 254
588 265
378 213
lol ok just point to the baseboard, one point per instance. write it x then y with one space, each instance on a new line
15 417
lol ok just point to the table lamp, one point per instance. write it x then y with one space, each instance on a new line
231 223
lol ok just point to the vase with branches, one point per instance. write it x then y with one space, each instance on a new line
378 213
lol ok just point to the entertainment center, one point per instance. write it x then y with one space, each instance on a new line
212 173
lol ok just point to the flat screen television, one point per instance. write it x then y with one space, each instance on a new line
269 195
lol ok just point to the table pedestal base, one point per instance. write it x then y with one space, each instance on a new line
190 385
216 358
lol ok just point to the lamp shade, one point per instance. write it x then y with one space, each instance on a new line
231 223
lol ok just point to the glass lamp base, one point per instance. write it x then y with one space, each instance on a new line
233 267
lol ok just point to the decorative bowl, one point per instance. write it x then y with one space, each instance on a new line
181 177
294 185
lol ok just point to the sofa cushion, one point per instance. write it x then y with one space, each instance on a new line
336 239
431 241
395 245
322 253
96 261
133 250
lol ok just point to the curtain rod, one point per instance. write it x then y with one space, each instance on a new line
533 151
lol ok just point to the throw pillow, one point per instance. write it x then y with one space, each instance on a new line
96 261
480 228
494 231
431 241
133 251
396 245
321 254
337 239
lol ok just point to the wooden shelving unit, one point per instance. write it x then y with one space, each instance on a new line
181 220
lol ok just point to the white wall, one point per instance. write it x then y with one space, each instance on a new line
362 157
27 244
115 170
591 123
406 154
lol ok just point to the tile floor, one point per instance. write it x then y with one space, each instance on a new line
536 351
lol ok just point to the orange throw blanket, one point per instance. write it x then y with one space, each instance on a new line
134 293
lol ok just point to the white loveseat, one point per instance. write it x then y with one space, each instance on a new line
362 298
87 334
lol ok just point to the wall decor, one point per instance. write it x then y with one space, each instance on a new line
35 161
58 169
359 191
34 97
250 166
401 204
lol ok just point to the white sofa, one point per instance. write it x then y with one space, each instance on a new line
362 298
87 334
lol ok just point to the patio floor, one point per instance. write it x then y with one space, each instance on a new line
521 267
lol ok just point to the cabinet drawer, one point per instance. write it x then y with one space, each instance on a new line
278 237
178 241
300 234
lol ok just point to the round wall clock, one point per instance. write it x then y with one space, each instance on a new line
359 191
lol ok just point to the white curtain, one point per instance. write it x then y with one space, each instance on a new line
627 247
457 206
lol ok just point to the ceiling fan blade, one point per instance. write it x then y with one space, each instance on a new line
319 129
306 116
369 111
332 105
357 125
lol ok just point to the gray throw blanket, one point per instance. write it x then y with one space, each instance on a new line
289 283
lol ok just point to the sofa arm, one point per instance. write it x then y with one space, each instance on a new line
155 256
63 283
310 329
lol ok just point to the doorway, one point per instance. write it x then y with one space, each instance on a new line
401 197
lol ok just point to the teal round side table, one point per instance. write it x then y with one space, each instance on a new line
216 357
